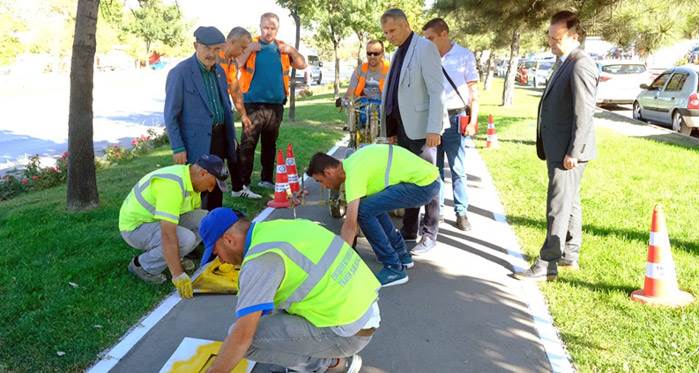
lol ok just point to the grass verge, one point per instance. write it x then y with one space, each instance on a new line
601 327
45 249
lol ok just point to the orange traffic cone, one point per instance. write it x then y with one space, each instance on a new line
291 170
660 285
491 136
281 185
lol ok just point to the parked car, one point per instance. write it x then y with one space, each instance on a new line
314 69
693 55
671 99
619 81
541 73
501 68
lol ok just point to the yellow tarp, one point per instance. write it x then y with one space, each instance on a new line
218 278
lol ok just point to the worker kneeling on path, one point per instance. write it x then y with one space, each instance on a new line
379 178
324 296
161 216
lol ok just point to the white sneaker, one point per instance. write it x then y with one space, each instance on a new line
246 193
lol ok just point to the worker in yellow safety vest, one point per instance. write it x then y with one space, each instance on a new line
265 68
317 296
161 216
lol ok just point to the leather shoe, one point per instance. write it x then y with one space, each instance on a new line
462 223
568 264
539 271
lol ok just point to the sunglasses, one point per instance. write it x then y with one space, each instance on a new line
375 54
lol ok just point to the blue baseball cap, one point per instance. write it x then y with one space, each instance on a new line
212 227
214 165
209 35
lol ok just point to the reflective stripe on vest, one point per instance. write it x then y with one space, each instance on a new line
388 166
315 272
362 75
139 189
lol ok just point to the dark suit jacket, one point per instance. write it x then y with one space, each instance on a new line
188 117
565 123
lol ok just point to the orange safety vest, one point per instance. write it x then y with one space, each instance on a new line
362 74
248 70
230 70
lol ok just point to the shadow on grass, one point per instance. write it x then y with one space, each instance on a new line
641 236
597 286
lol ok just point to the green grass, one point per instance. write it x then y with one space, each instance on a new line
601 327
44 248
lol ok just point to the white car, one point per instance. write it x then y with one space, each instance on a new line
619 81
671 99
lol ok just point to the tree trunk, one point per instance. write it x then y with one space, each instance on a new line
479 63
509 91
360 37
336 84
292 88
489 72
82 181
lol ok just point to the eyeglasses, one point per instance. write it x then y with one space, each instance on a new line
374 54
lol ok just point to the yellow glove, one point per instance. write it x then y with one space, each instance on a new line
183 284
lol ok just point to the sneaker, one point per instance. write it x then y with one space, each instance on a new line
424 246
245 193
407 261
462 223
389 277
350 364
141 273
188 265
265 184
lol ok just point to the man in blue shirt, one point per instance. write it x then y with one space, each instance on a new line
264 80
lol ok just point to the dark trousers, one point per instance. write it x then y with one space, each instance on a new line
214 199
266 120
430 222
563 213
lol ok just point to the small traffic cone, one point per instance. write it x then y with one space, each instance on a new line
660 285
491 136
281 185
291 170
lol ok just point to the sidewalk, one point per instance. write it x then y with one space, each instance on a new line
461 310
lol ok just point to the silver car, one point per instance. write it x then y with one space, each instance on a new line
671 99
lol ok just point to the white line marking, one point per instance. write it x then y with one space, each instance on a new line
543 322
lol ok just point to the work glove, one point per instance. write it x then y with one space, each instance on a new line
184 285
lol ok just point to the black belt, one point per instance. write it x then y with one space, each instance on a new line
453 112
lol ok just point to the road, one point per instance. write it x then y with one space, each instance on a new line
126 104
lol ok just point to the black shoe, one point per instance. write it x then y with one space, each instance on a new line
569 264
539 271
462 223
408 236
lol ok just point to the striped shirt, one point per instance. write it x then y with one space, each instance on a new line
211 88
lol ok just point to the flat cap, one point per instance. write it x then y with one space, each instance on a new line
209 35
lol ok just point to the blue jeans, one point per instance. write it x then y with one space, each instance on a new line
377 226
454 145
363 112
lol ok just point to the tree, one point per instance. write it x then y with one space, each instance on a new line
155 22
82 181
331 26
297 9
10 26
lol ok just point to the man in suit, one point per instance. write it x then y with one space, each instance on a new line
413 111
566 141
197 108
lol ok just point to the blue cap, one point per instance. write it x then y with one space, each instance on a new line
214 165
212 227
209 35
